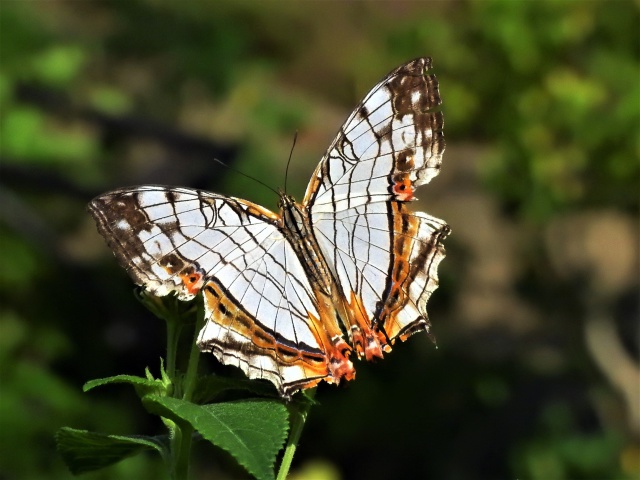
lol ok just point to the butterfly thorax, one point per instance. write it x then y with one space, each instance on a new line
297 229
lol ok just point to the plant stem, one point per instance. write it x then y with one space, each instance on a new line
182 434
175 432
173 332
181 450
298 417
189 381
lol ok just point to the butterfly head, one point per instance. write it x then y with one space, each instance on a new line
286 201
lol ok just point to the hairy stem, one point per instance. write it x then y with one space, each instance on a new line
298 418
173 331
190 377
181 451
181 435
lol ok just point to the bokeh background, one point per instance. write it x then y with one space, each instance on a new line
536 370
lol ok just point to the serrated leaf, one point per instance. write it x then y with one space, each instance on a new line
143 386
253 431
84 451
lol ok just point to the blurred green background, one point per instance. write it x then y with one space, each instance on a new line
536 373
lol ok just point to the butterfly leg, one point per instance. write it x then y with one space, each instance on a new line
328 333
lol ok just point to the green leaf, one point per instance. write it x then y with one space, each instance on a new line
210 387
253 431
143 386
84 451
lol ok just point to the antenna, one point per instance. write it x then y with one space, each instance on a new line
244 174
286 173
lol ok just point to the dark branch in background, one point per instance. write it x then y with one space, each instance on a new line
126 125
24 177
19 216
199 171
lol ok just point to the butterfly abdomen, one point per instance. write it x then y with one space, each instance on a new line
297 229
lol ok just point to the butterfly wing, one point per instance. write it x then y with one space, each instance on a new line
262 314
384 256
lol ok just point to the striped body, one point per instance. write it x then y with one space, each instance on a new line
297 229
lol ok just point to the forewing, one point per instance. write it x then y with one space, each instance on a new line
390 144
261 311
383 256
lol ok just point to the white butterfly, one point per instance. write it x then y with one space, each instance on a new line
282 290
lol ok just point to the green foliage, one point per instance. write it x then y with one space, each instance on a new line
34 401
253 431
26 135
560 147
20 263
143 386
59 65
558 81
557 452
85 451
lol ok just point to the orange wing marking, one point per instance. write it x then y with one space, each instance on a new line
193 282
306 366
403 188
405 229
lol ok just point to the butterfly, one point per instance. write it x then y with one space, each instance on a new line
289 296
